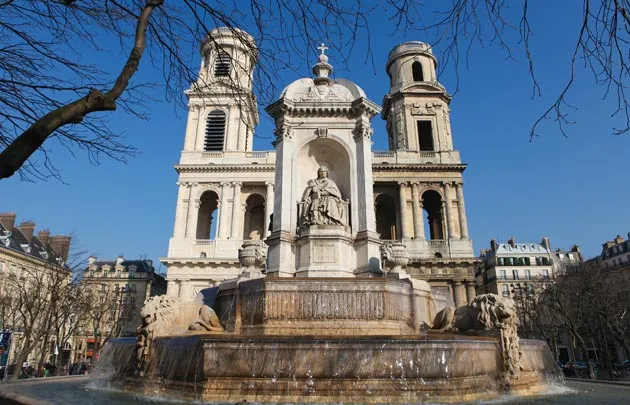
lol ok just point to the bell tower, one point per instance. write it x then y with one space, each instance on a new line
416 108
222 109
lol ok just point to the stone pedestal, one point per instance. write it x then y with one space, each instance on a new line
324 251
325 306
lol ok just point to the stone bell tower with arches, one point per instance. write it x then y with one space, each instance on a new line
230 196
225 191
418 183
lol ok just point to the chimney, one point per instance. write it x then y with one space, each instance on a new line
120 260
43 236
27 228
512 242
91 260
60 244
493 245
546 244
618 240
8 220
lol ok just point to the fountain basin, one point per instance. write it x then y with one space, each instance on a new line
310 369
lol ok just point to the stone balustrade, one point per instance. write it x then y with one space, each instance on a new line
228 157
409 156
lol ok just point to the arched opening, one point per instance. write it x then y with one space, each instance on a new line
254 224
206 220
432 204
416 71
386 216
215 131
222 65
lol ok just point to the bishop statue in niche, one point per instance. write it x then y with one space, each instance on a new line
321 202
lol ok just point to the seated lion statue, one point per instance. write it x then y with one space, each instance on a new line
487 312
166 316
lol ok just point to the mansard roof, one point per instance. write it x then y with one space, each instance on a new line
141 266
17 242
521 248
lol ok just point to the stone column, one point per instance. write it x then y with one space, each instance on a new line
402 186
185 290
449 211
459 294
172 288
192 214
192 127
471 291
236 210
223 220
181 211
367 243
268 208
463 225
418 221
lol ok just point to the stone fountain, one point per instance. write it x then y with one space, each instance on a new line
323 310
371 338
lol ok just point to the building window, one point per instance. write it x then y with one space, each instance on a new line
545 274
528 275
425 135
215 131
222 65
416 70
515 274
502 275
500 261
505 290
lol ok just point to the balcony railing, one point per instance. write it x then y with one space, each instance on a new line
205 242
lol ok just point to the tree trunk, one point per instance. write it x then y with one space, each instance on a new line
591 370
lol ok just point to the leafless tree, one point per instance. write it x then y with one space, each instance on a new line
107 309
31 291
49 93
600 43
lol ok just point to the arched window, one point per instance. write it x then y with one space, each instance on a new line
215 131
222 65
416 71
254 224
386 216
432 204
206 220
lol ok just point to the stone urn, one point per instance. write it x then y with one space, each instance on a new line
252 256
395 257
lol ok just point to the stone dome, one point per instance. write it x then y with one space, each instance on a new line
306 89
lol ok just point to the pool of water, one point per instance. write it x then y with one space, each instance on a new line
83 391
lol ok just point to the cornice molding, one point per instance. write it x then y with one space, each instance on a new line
32 260
428 167
196 168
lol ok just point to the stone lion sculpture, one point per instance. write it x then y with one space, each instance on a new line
165 316
487 312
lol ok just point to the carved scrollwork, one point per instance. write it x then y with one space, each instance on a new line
362 131
283 131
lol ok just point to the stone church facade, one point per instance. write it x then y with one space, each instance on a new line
229 193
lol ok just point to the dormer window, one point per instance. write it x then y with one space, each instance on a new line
416 71
215 131
222 65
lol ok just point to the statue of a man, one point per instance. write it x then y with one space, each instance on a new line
322 201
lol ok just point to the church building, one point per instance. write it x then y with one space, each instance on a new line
229 193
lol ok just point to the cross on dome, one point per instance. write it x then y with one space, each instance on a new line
322 48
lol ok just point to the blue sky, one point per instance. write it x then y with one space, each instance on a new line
573 190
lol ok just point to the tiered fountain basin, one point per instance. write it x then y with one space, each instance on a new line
367 349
